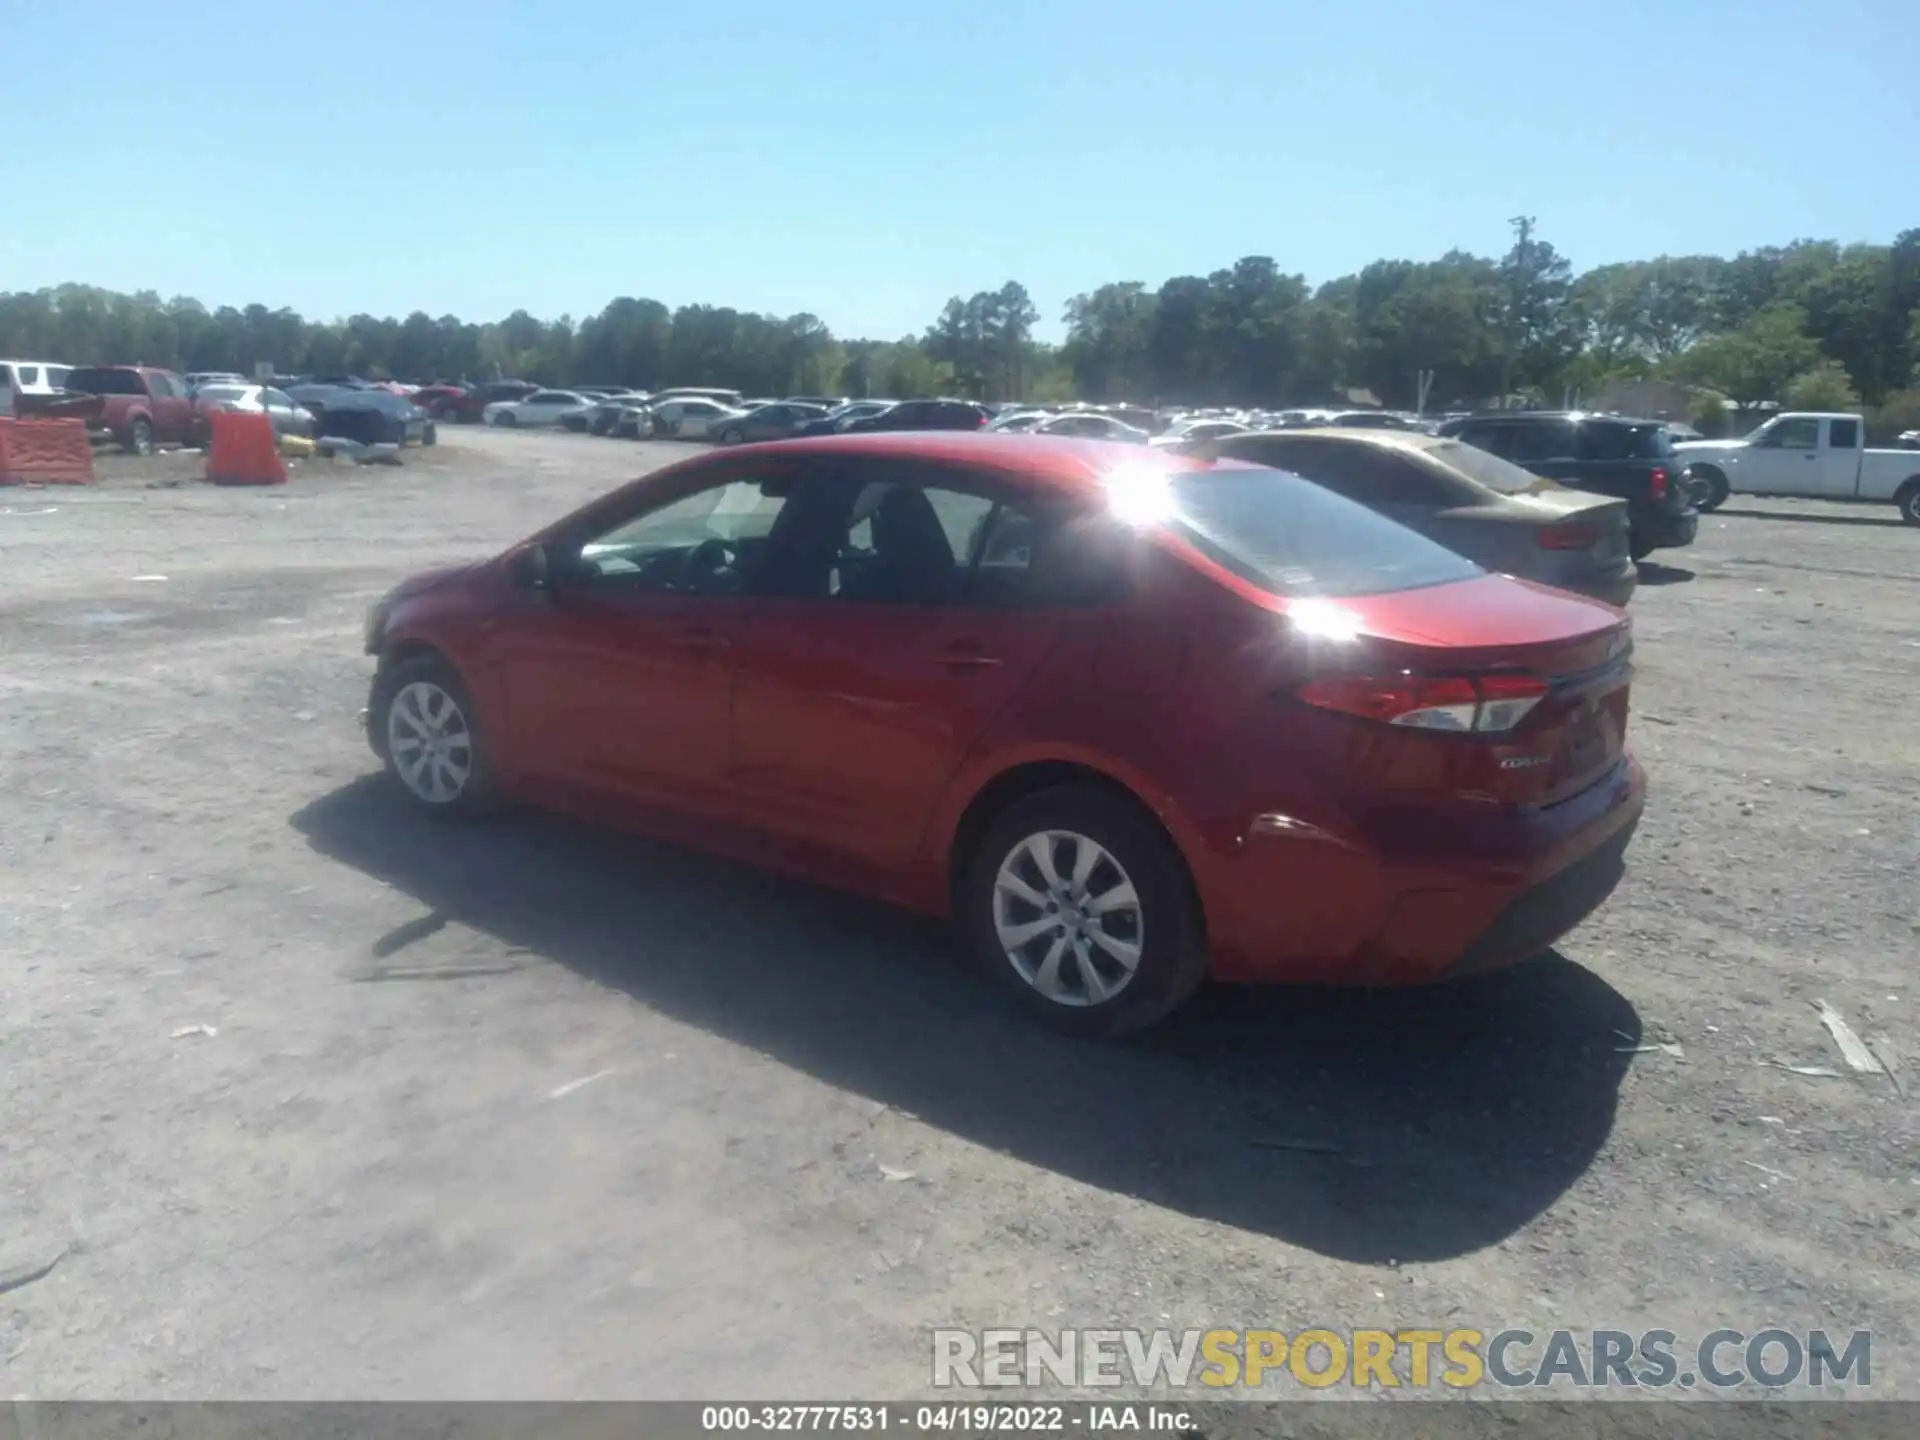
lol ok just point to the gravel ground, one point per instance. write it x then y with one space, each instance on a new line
530 1110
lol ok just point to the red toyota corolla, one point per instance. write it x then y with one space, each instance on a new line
1132 719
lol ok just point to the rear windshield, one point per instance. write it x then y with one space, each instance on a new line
1604 441
1485 467
106 382
1291 537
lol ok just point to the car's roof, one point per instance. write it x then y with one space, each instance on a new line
1351 435
1071 462
1609 419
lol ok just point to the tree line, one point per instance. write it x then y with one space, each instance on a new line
1814 324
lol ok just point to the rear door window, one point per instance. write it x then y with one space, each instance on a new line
1485 468
1843 434
1294 538
1372 475
1540 442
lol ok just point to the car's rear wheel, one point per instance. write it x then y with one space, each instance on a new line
430 737
731 435
1077 901
1908 499
1639 549
1710 488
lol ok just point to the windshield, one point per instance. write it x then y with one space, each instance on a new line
1486 468
1294 538
106 382
1652 442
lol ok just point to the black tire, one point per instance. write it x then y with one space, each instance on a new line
1908 499
507 419
1166 922
1639 550
1710 489
475 795
139 438
731 435
430 435
658 427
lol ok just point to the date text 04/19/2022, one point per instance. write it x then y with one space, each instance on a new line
949 1417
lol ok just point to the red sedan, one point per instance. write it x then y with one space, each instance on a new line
1131 718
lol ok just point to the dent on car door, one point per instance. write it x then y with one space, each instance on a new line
884 647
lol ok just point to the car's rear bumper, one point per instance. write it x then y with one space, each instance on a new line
1615 586
1656 529
1432 900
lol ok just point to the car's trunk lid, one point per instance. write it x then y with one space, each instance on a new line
1496 632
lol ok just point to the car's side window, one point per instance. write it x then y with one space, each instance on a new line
903 543
1533 444
1843 434
1800 433
706 543
1494 439
1602 442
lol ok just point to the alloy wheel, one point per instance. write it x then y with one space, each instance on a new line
430 741
1067 915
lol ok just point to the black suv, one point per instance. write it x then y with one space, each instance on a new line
1607 454
926 415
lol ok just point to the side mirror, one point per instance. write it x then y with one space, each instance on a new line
532 568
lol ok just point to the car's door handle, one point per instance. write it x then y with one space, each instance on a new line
968 657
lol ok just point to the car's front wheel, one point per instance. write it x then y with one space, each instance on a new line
429 734
139 438
732 435
507 418
1078 901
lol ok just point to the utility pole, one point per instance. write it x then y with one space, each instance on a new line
1520 259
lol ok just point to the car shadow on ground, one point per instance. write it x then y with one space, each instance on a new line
1879 515
1652 572
1408 1125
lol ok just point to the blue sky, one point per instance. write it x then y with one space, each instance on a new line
866 160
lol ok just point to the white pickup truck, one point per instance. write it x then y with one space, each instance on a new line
1817 457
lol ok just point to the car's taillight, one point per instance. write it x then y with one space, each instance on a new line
1568 537
1659 479
1483 704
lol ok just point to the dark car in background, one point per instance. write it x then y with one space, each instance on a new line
367 417
924 415
842 416
781 420
1608 454
1501 517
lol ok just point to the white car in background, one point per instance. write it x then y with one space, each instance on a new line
542 407
34 377
691 419
1089 425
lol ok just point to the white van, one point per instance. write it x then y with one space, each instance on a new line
34 377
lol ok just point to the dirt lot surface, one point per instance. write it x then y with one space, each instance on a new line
533 1110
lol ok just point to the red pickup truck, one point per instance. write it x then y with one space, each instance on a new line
141 407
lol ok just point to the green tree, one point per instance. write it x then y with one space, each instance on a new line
1754 363
1826 386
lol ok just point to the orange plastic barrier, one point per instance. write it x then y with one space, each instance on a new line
244 450
45 452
